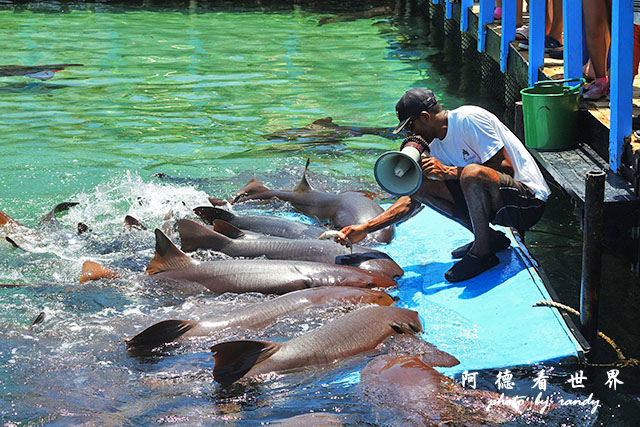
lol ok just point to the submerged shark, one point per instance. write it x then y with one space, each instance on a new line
348 208
325 130
257 315
42 72
194 236
354 333
376 12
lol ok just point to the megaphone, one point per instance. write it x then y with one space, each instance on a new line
398 172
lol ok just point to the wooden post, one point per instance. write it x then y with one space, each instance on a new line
591 255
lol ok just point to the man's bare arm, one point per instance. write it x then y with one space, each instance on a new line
500 162
403 208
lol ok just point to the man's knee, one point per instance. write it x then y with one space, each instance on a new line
478 174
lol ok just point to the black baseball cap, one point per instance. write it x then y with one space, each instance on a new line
412 103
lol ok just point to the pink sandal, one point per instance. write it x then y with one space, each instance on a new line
522 33
497 13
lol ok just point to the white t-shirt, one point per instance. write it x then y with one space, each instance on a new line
475 135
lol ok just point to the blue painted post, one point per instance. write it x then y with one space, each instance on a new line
536 38
621 79
448 8
572 34
486 16
464 14
508 31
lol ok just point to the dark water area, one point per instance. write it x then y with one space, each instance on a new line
72 369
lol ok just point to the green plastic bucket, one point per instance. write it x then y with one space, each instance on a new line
550 111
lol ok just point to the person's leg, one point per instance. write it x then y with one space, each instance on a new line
596 29
555 29
481 188
519 13
447 200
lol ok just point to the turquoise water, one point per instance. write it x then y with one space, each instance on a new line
191 96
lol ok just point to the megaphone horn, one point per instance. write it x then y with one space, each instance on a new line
398 172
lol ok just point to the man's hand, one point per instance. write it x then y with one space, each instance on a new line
433 169
354 233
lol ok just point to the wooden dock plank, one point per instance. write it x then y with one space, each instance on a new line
569 169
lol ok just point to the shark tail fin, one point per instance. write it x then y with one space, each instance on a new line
233 359
304 186
229 230
195 236
60 207
94 271
160 333
130 223
208 214
167 256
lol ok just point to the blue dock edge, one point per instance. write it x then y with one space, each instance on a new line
489 321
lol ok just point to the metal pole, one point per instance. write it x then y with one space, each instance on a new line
591 255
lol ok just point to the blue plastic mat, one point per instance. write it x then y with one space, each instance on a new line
488 321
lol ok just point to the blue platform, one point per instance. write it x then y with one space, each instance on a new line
488 321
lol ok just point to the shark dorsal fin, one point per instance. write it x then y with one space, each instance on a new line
167 256
303 186
228 229
326 122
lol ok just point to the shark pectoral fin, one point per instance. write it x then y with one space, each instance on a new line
94 271
7 220
39 319
160 333
130 223
303 186
195 236
233 359
229 230
217 202
167 256
208 214
14 244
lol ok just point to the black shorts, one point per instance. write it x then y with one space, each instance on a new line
520 208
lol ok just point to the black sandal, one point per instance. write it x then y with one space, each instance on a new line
470 266
498 243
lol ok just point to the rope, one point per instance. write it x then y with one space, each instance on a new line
622 361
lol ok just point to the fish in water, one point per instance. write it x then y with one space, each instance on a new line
257 275
265 224
426 397
325 130
42 72
257 315
354 333
376 12
195 236
342 209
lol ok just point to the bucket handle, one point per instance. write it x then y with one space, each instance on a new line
572 89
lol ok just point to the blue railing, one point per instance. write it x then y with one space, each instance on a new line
621 76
